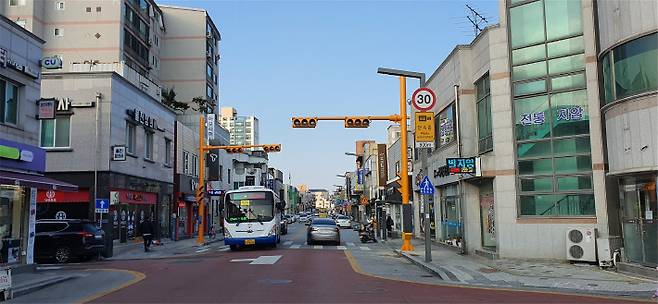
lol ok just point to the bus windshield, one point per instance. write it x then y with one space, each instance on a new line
250 206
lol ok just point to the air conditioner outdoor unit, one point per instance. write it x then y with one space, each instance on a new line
581 244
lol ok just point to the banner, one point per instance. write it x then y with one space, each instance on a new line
382 165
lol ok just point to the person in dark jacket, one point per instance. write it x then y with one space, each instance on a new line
389 225
147 233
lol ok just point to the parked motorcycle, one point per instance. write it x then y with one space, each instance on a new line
367 234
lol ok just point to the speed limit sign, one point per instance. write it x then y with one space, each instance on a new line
423 99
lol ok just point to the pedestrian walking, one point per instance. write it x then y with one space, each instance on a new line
389 225
147 233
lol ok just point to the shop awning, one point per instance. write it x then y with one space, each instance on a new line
37 181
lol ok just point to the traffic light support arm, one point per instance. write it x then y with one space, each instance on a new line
205 148
394 117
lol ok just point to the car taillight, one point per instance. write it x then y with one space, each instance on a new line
86 234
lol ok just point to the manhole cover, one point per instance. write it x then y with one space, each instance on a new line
275 281
487 270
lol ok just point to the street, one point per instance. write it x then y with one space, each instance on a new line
294 272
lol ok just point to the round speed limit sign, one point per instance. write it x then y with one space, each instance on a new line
423 99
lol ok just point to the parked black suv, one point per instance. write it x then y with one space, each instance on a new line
63 240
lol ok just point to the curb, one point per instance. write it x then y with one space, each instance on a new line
420 264
30 288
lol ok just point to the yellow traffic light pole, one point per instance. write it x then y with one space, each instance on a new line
200 191
364 122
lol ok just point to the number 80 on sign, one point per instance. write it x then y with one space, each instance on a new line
423 99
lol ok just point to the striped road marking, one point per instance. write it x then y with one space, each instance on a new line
341 247
295 246
364 248
266 260
317 247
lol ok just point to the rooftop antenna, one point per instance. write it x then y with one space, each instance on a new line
476 20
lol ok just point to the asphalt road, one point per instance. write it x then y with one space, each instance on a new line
301 274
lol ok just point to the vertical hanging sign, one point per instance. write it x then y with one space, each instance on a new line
30 228
210 128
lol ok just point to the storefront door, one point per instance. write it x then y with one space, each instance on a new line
639 219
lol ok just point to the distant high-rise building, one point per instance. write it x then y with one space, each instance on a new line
243 129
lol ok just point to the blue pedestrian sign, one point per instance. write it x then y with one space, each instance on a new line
102 205
426 187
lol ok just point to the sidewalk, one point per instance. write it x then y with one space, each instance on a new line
27 282
455 268
167 249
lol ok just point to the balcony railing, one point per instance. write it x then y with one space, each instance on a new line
149 87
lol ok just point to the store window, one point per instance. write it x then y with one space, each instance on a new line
131 137
12 200
194 165
446 126
631 68
186 162
56 133
8 102
483 104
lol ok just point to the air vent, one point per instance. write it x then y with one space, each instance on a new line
575 236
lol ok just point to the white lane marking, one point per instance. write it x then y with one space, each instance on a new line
49 268
364 248
341 247
224 249
202 250
297 246
266 260
242 260
286 243
317 247
350 244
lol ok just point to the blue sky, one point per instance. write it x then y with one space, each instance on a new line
297 58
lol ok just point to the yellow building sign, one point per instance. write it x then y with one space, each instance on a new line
424 130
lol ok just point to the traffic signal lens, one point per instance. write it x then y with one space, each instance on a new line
366 123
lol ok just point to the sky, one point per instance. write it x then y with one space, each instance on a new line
313 58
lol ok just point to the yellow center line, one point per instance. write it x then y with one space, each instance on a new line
137 277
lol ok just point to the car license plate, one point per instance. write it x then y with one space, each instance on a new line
250 242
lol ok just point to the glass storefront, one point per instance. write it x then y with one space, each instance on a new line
640 219
551 110
450 215
12 215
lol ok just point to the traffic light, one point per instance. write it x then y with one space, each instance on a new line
272 148
234 150
304 122
357 122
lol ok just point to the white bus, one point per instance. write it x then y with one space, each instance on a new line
252 217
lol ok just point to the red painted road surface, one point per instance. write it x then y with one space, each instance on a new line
300 276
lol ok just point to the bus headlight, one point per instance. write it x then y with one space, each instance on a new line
272 231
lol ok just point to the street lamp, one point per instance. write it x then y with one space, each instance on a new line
404 172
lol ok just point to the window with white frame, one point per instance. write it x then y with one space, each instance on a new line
148 145
58 32
56 133
59 5
131 137
195 170
186 162
8 102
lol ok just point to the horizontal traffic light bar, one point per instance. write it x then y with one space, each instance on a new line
240 148
350 121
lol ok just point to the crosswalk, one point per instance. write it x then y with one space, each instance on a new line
347 246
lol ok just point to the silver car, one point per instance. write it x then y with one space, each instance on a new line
323 230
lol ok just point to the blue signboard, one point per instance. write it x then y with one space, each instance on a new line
360 176
426 187
102 205
215 192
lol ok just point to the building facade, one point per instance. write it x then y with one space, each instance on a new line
628 59
22 161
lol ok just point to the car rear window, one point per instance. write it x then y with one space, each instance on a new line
50 227
342 217
90 228
322 221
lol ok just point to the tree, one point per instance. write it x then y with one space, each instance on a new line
169 99
203 105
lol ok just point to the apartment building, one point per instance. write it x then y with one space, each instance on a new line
190 61
243 129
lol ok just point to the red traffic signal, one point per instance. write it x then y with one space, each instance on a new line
357 122
304 122
272 148
234 150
